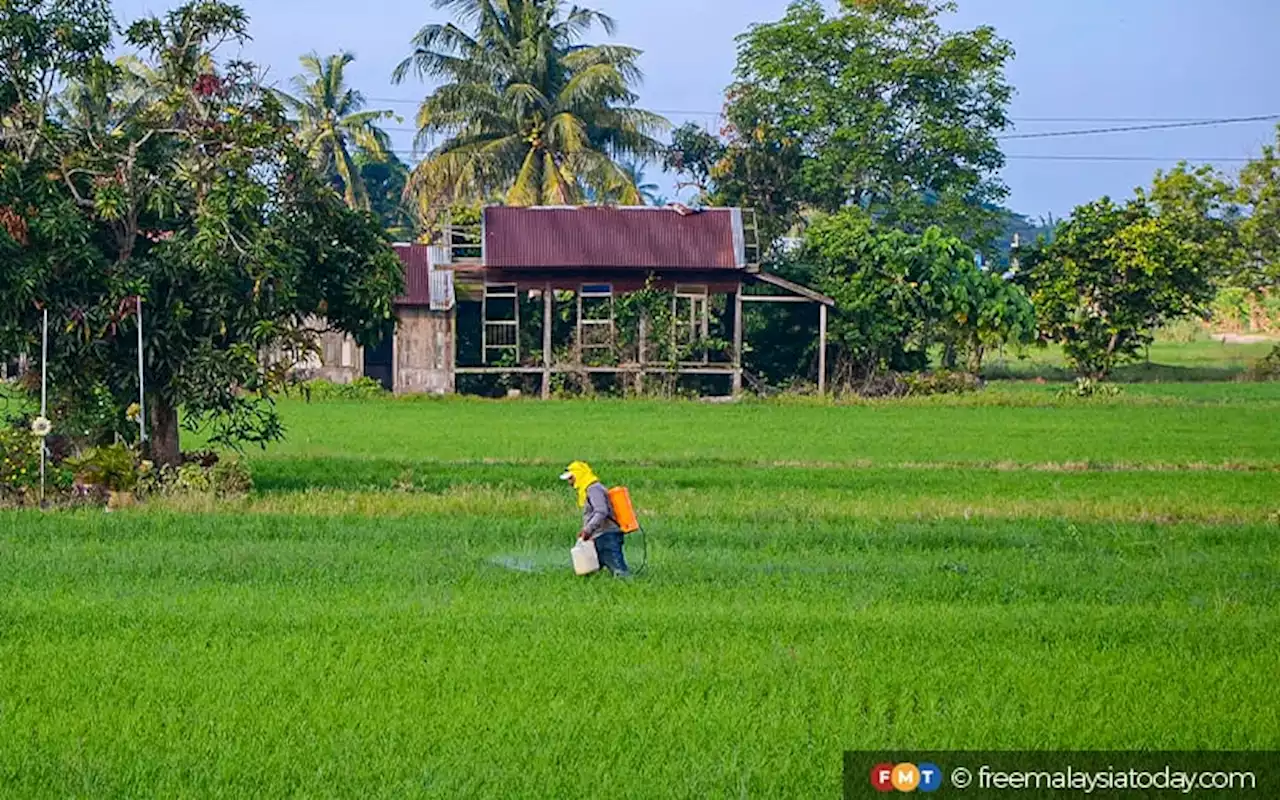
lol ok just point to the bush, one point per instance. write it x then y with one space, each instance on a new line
113 467
1268 367
942 382
1089 387
360 389
19 460
200 473
231 478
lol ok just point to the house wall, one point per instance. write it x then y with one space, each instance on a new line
341 359
425 352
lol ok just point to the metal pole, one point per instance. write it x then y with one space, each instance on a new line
822 350
547 300
737 341
44 393
142 394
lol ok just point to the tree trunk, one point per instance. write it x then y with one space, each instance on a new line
164 434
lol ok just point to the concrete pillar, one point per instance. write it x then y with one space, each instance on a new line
822 349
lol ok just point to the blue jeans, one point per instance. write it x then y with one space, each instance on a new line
609 549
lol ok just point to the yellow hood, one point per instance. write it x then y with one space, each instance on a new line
581 476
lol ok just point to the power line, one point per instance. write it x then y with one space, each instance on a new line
1147 123
1131 128
1028 157
1067 158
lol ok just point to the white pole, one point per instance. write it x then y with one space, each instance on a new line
44 392
822 349
142 395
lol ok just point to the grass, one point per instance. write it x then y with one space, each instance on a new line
1203 359
276 654
1028 427
391 614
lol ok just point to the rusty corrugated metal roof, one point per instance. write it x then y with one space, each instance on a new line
619 238
423 285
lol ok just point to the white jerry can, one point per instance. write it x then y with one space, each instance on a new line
585 558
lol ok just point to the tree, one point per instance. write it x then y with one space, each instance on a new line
898 294
43 44
646 191
1112 276
333 123
1199 205
875 106
1259 191
385 181
526 111
202 204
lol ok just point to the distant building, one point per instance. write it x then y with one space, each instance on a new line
521 259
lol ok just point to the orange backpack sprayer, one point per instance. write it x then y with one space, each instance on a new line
624 513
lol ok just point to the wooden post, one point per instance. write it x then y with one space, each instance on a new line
453 348
643 345
822 349
547 300
737 341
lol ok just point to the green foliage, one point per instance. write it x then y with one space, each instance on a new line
1268 367
385 181
196 196
876 105
359 389
1112 276
220 476
19 460
114 467
897 294
524 111
942 382
1259 192
1198 205
1090 387
1238 309
44 42
332 123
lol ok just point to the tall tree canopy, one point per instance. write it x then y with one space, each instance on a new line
1113 275
875 105
200 201
1259 191
526 111
334 124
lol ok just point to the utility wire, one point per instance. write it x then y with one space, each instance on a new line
1084 158
1029 157
1131 128
1148 123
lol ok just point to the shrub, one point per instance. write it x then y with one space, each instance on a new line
199 474
942 382
113 467
1089 387
1268 367
231 478
360 389
19 460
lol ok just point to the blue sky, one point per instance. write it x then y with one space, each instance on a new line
1096 61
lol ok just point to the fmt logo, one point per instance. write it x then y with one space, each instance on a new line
906 777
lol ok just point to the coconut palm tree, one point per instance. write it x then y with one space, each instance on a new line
332 122
524 110
635 173
107 98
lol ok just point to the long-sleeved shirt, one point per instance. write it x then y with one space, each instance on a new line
597 514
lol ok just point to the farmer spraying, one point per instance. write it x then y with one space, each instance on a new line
598 523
